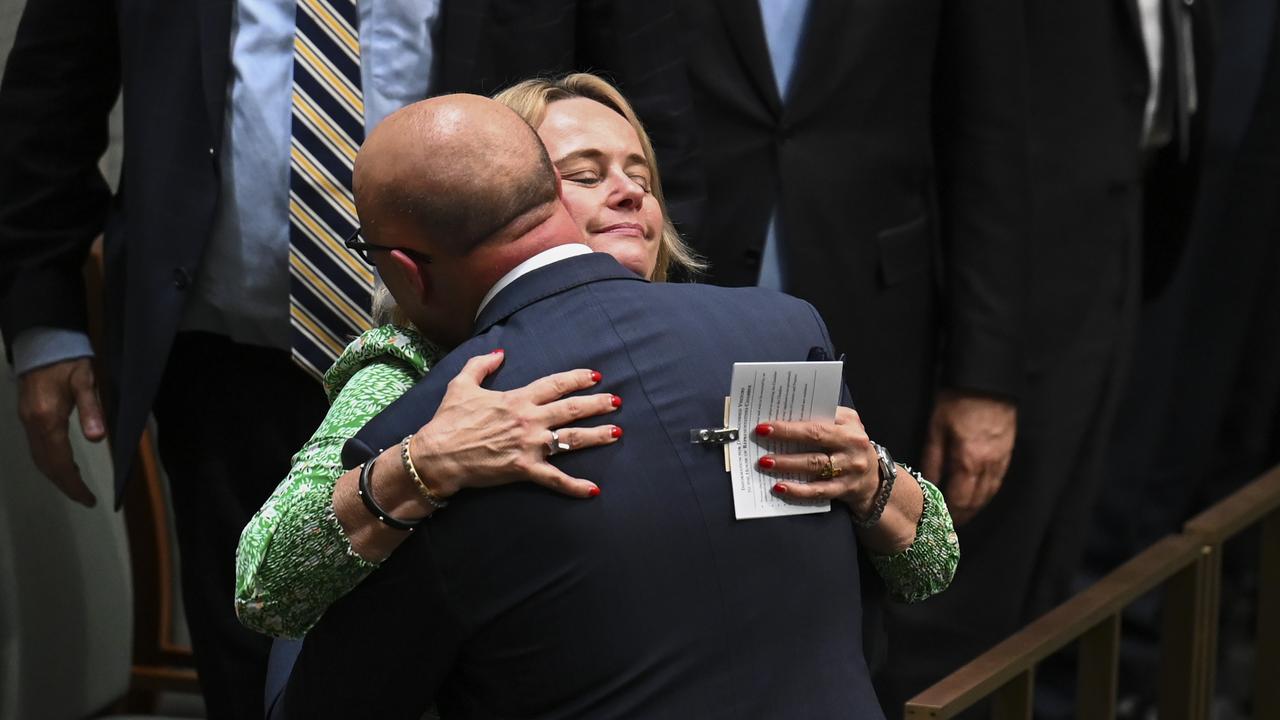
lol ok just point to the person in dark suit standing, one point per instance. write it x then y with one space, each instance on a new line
655 601
872 158
1118 93
1200 413
240 121
1114 126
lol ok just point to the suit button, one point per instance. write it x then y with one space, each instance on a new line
751 258
181 278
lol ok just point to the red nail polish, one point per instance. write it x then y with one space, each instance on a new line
763 429
766 462
496 351
616 401
780 489
593 492
615 432
595 376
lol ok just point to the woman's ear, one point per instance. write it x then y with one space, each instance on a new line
408 275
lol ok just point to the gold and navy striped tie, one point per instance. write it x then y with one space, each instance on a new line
329 286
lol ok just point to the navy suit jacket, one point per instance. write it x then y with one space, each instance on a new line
650 600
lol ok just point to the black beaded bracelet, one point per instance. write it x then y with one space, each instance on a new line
366 496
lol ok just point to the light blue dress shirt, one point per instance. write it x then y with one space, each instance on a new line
783 31
242 289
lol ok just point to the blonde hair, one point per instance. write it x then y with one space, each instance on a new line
529 99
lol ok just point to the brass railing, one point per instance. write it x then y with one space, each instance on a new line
1188 566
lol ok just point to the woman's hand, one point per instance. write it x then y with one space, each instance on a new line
843 446
481 438
477 438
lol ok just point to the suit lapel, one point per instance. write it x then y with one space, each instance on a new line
460 28
547 281
215 62
1134 15
746 31
813 77
1239 67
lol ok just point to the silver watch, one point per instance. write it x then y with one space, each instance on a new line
888 473
888 470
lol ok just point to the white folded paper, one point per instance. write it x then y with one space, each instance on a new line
763 392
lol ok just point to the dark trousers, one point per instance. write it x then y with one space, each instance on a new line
1018 556
229 417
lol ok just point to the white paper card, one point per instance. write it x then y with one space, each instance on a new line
761 392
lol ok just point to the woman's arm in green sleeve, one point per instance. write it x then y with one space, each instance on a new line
294 559
926 567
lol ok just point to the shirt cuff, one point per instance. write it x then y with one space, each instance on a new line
926 567
38 346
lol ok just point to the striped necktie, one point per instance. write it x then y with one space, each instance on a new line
329 286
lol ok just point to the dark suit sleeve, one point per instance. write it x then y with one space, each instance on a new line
356 451
983 166
638 46
827 352
872 587
384 649
60 82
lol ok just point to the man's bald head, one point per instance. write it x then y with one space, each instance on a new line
458 169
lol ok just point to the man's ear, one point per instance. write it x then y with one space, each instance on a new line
411 275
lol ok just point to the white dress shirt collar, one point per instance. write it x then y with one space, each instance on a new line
542 259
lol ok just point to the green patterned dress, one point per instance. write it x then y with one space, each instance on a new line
294 560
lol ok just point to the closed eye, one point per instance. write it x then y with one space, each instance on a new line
584 178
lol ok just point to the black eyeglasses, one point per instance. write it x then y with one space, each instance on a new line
362 248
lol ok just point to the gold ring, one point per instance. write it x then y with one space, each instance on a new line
830 471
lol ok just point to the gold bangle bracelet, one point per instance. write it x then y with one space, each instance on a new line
406 458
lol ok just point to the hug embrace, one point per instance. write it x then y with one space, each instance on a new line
478 547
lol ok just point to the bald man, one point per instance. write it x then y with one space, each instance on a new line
650 599
458 182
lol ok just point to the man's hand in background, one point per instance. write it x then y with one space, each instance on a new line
46 396
967 449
